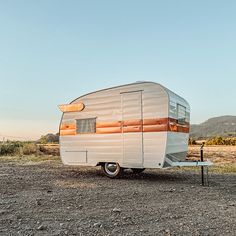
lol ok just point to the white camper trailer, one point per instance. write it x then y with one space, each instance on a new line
140 125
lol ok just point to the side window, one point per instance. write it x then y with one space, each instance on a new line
85 126
181 114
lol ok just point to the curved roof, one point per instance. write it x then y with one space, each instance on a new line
169 92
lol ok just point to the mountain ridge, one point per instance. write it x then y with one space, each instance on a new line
224 126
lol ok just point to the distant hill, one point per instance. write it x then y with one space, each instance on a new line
218 126
49 138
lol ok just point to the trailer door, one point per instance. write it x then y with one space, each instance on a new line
132 129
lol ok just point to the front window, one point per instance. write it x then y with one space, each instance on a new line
181 114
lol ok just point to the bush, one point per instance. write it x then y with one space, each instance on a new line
221 141
49 150
29 149
10 148
192 141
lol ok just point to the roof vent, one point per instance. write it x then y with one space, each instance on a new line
140 81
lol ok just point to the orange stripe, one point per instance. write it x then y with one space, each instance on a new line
67 126
128 129
159 121
68 132
147 125
155 128
183 129
108 130
108 124
132 122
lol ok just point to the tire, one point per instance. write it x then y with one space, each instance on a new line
137 170
112 170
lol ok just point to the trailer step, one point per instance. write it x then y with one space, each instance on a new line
188 163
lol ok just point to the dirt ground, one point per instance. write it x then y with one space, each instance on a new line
47 198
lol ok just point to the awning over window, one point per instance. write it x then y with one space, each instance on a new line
71 107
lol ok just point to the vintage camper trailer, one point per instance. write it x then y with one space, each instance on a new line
140 125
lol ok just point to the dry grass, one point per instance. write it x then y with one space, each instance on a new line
29 159
219 155
223 157
220 169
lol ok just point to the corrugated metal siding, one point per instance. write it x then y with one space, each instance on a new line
154 149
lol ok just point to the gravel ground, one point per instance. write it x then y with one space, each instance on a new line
47 198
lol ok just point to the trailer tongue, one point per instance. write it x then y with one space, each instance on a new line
170 159
188 163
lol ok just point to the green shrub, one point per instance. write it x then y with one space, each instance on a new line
47 150
10 148
221 141
29 149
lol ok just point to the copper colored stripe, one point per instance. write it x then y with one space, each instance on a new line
183 129
132 122
67 126
155 128
127 126
159 121
172 128
128 129
67 132
109 130
108 124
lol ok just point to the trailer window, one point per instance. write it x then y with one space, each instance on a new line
181 114
84 126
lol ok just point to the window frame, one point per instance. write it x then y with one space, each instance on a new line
91 118
181 120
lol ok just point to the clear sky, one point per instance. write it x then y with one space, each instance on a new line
52 51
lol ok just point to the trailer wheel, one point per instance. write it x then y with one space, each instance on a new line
112 170
137 170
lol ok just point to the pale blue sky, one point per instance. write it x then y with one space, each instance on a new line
53 51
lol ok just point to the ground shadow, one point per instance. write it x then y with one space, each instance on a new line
148 175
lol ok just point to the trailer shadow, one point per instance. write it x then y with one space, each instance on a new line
162 176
